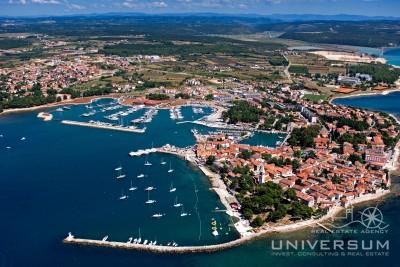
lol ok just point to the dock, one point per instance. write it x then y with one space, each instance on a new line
154 248
104 126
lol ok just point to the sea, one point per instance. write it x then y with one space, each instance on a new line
57 178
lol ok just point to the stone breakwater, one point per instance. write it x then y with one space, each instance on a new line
103 126
156 248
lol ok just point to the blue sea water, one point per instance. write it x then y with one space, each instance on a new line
387 103
62 178
393 56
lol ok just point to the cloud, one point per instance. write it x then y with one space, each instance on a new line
53 2
159 4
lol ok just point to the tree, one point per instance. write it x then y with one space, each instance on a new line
209 97
291 194
210 160
257 222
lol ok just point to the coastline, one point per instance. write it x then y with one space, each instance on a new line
265 230
74 102
385 92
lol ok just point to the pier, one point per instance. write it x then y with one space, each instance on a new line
155 248
186 153
104 126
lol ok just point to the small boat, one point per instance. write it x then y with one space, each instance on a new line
105 238
147 162
157 215
8 147
170 169
163 162
145 242
215 233
118 168
176 204
140 238
66 107
123 196
140 175
129 240
172 188
23 138
132 188
121 176
183 213
59 110
149 201
149 188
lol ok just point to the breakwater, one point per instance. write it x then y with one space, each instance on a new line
104 126
155 248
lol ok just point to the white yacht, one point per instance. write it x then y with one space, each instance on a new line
121 176
176 203
123 196
172 188
170 169
149 188
118 168
183 213
132 188
157 215
149 201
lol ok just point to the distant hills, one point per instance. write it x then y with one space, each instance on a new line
273 18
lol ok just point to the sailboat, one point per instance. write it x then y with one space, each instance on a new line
140 175
176 204
163 162
172 188
140 238
149 201
118 168
123 196
132 188
120 175
170 169
183 213
147 163
149 188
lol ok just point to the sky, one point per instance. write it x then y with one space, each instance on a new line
262 7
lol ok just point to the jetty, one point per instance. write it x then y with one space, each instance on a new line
186 153
70 239
102 125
